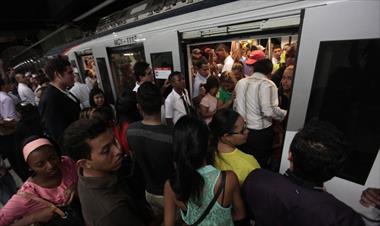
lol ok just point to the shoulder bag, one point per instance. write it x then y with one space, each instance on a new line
64 216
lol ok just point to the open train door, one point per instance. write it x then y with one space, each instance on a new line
337 80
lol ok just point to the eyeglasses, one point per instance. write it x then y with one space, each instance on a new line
241 131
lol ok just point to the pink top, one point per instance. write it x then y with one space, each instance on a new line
211 102
19 206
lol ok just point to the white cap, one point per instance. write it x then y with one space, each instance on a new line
260 47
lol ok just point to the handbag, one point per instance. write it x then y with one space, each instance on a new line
70 215
212 202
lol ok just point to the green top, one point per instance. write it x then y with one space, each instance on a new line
218 214
223 95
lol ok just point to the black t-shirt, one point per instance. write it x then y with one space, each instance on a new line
57 111
275 200
152 147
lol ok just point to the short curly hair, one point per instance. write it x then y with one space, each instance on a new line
76 136
319 151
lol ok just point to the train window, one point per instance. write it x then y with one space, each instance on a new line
122 60
345 92
162 64
238 49
88 63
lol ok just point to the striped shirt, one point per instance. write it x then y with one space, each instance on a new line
257 101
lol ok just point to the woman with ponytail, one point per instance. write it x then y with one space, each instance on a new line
204 195
228 130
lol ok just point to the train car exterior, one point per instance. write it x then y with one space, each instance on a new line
330 35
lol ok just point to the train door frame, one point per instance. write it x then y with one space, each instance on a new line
319 25
120 49
287 25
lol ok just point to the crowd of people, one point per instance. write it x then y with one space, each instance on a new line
168 156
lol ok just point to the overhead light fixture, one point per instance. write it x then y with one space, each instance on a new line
140 39
93 10
128 54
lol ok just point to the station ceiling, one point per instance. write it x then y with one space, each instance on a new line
23 23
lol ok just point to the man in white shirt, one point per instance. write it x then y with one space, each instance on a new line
8 120
26 94
225 58
81 91
143 73
203 71
7 107
276 57
178 103
257 102
241 85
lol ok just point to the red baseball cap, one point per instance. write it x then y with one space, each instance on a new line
254 56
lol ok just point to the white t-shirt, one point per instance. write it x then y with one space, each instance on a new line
228 63
82 92
199 79
26 94
136 88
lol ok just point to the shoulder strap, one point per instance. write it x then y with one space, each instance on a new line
73 96
42 201
211 204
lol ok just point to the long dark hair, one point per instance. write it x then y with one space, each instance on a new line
223 122
190 144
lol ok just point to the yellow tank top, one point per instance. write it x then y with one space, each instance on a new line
238 162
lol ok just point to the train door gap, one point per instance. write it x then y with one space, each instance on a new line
238 46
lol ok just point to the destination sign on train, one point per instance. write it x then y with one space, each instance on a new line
125 41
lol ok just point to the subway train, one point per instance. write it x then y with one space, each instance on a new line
336 75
